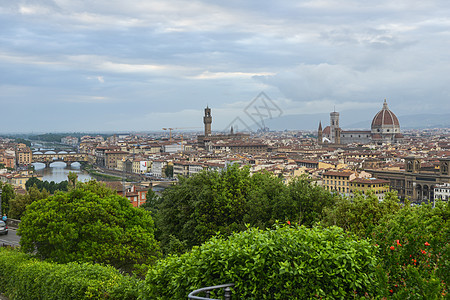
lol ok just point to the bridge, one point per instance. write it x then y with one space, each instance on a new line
49 157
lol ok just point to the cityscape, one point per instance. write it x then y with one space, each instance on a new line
224 150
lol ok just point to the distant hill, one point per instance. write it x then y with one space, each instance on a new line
422 121
354 120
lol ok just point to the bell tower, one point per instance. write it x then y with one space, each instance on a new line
207 120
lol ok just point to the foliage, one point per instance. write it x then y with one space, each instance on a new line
152 199
168 171
23 141
362 213
19 204
7 196
91 223
22 277
51 186
209 202
306 202
72 179
415 250
281 263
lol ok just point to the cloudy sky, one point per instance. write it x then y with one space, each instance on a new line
116 65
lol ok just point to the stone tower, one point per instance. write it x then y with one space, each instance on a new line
207 120
334 124
320 134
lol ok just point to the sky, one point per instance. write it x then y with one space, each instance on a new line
141 65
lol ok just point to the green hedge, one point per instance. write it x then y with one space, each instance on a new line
282 263
23 277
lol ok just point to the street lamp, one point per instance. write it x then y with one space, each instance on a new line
0 201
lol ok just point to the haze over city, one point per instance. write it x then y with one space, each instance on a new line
115 65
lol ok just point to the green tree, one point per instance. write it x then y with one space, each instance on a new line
306 202
72 179
8 195
19 204
361 214
152 200
414 247
91 223
209 202
168 171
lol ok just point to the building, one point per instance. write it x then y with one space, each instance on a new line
338 181
23 155
69 140
442 191
111 158
379 186
415 183
385 129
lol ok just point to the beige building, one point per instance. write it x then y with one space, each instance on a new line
23 155
338 181
379 186
111 158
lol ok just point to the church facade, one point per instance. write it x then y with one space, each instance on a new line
385 129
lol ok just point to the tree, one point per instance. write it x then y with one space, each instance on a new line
72 179
307 202
168 171
209 202
152 200
361 214
19 204
7 195
91 223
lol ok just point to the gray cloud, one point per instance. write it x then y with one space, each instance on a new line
99 65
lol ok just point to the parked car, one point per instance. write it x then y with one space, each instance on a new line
3 227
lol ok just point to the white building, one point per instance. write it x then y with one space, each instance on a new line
442 191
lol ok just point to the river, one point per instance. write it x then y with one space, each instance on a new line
58 171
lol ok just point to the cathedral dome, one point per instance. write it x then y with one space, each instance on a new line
385 117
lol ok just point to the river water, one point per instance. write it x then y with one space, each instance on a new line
58 171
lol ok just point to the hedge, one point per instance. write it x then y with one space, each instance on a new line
282 263
24 277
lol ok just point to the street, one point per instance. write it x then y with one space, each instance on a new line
11 238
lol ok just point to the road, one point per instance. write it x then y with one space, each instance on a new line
11 238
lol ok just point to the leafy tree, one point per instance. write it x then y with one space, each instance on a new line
19 204
91 223
361 214
23 141
7 196
414 248
306 202
51 187
168 171
151 202
209 202
72 179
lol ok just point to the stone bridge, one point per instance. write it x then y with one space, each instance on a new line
50 156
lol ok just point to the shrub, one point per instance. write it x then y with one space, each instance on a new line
281 263
23 277
415 250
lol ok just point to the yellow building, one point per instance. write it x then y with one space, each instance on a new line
379 186
23 155
112 157
338 181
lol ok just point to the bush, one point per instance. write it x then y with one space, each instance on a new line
415 250
281 263
23 277
89 224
